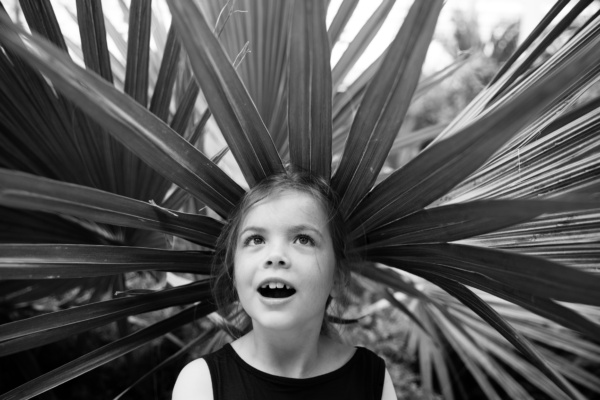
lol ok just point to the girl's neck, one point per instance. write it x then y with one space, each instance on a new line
298 354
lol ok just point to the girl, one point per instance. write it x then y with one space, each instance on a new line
281 258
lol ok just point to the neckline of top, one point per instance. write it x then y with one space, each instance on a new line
271 377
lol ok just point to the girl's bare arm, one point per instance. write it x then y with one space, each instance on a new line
388 388
193 382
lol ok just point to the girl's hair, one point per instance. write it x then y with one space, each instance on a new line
223 284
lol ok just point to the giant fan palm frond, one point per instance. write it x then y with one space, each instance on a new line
493 221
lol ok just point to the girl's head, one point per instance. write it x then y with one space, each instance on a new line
298 211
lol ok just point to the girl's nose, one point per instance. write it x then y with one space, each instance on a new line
280 262
277 258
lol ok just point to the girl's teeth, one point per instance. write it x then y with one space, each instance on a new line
275 285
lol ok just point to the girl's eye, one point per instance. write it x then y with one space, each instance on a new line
253 240
305 240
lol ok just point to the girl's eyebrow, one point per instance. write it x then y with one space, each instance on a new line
253 229
303 227
294 229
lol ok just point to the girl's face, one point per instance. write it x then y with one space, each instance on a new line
284 261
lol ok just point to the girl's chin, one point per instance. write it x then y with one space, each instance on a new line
274 322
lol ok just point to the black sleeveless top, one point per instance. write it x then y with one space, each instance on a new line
234 379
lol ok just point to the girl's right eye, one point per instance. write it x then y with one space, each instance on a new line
253 240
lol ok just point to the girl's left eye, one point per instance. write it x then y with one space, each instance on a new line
305 240
253 240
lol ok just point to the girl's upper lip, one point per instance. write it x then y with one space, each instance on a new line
275 280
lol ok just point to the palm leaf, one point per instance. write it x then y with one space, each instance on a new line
161 98
346 102
538 167
461 221
105 354
498 176
544 307
360 42
310 93
39 261
264 72
476 342
581 256
26 191
537 31
384 106
341 19
186 108
581 227
138 50
527 274
229 101
47 328
35 227
148 137
96 58
442 165
93 38
41 18
549 38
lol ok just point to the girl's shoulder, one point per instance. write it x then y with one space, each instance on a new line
336 354
372 364
194 382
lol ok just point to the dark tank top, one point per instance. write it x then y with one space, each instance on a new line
234 379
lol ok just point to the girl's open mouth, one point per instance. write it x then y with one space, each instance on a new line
276 290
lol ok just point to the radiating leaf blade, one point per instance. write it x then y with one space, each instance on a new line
542 47
561 158
41 18
66 261
340 20
464 220
543 24
139 130
310 93
161 98
546 308
442 165
93 38
185 109
138 50
384 105
105 354
527 274
227 98
488 314
25 191
360 42
64 322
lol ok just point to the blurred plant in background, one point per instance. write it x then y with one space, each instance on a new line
473 210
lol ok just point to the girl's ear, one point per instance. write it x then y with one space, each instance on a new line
334 290
341 279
